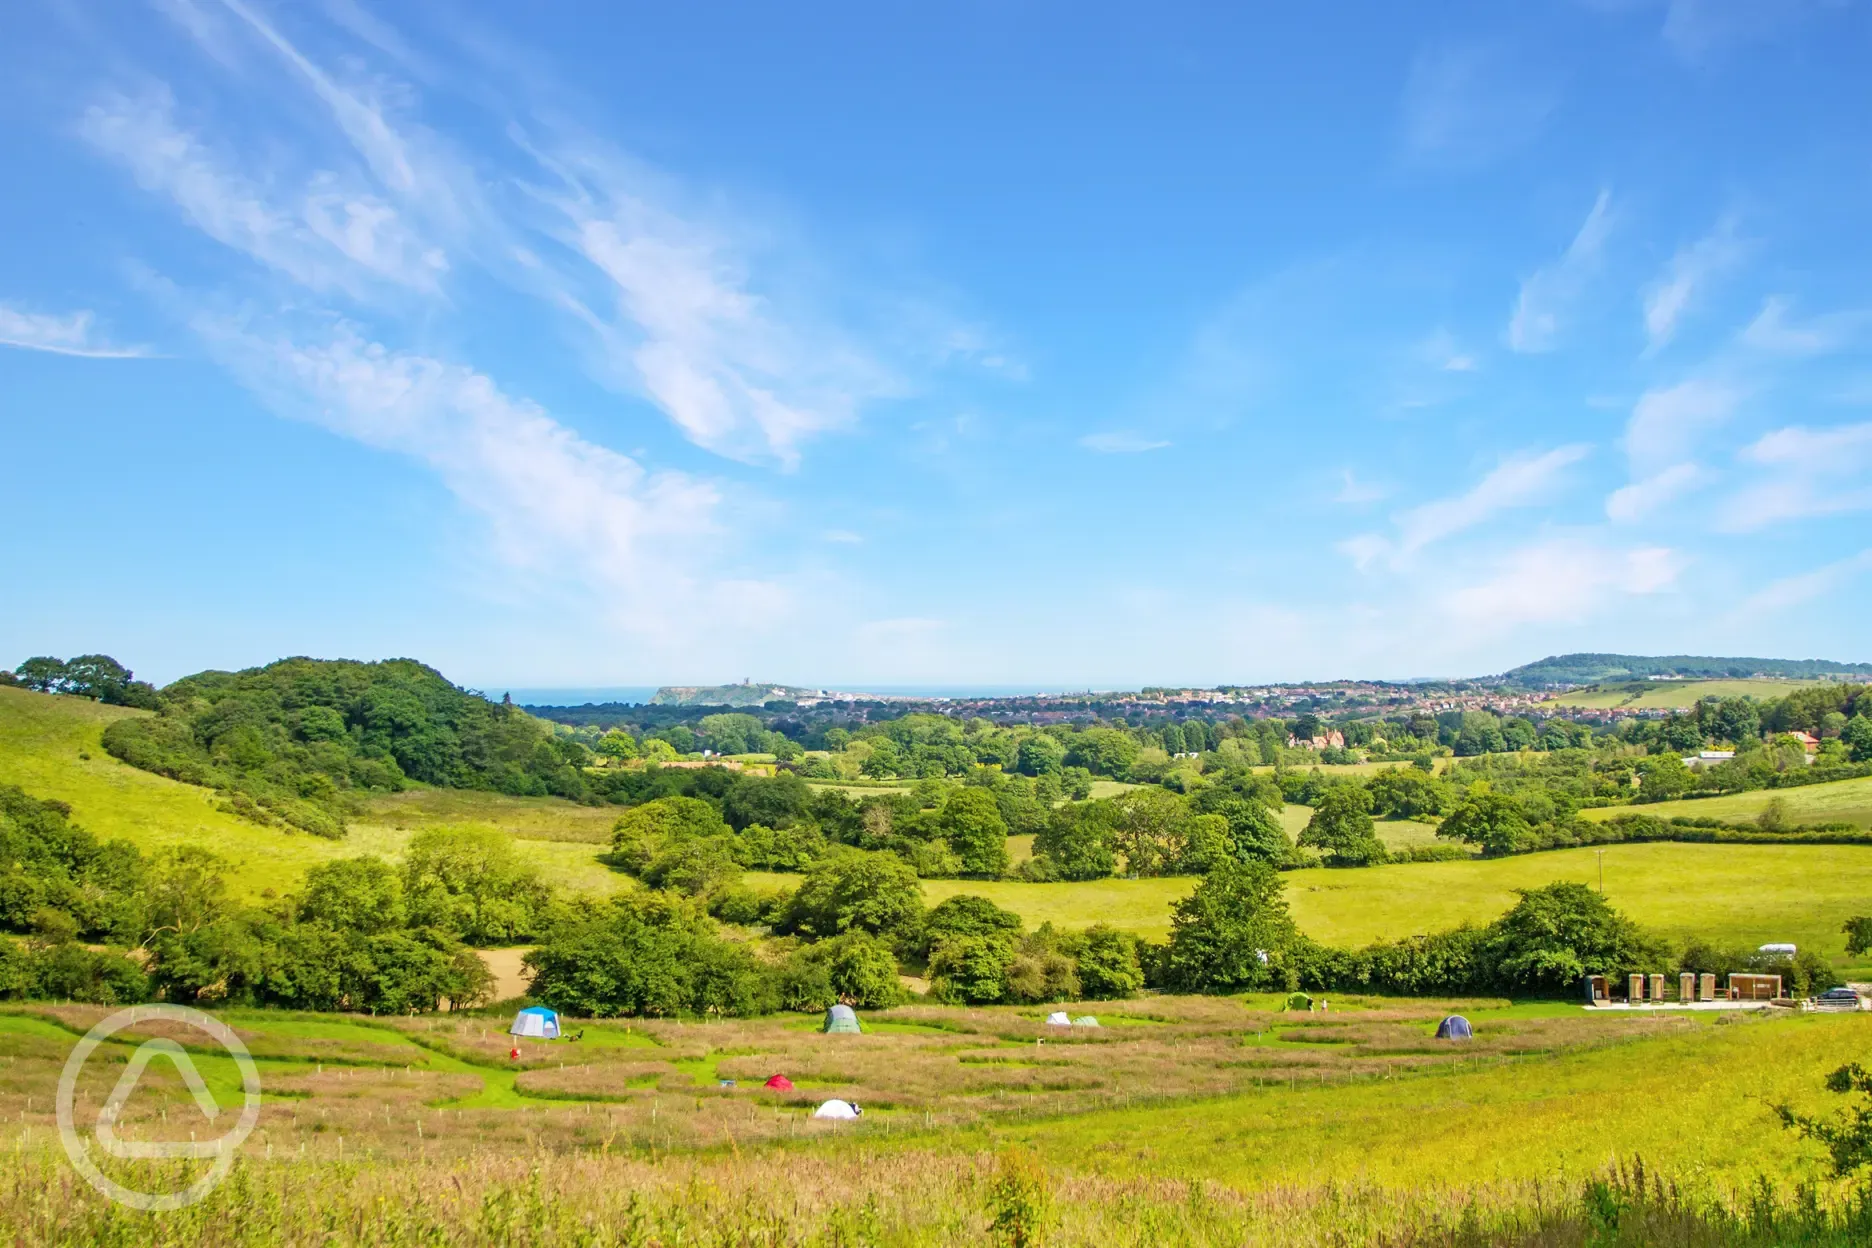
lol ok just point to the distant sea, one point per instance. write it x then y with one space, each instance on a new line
639 694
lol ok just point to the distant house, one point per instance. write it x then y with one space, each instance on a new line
1708 758
1808 742
1334 740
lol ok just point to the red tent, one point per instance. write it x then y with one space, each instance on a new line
779 1083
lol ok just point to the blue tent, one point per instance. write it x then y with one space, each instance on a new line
1455 1027
537 1022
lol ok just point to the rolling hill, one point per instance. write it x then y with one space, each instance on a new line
1592 669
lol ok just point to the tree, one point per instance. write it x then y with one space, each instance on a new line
971 822
618 746
1039 755
971 970
1103 751
1109 966
1234 932
1151 829
353 894
96 676
1857 734
1407 794
1858 931
1664 776
42 674
643 832
856 891
1561 931
968 915
646 954
1342 826
861 970
1492 820
1080 840
468 881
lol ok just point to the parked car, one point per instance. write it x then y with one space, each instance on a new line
1837 999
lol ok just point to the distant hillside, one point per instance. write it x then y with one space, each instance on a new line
747 693
1592 669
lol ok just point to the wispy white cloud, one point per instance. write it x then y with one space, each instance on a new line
1688 274
737 374
1775 332
70 334
553 502
843 536
1467 104
1120 442
1522 480
1805 587
1805 472
1666 423
1631 503
329 236
1566 579
1549 295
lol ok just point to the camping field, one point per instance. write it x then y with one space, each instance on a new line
1255 1122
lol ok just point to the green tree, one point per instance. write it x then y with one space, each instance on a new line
971 970
42 674
1492 820
971 822
968 915
1040 755
353 894
1564 930
644 954
1080 840
1408 794
1109 965
1233 933
468 881
1664 776
1103 751
1857 734
618 746
1858 931
854 890
1341 825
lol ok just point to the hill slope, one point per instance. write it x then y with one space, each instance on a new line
1591 669
44 741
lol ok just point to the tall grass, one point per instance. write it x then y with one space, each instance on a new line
912 1199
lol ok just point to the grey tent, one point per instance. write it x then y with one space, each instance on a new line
1455 1027
840 1020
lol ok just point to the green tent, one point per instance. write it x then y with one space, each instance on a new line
841 1020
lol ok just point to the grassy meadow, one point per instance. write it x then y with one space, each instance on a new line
1180 1120
1674 695
1842 801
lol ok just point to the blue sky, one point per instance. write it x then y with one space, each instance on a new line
1036 343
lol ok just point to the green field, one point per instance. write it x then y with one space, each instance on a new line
1749 894
1839 801
1660 695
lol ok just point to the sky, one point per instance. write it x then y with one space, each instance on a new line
1063 345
